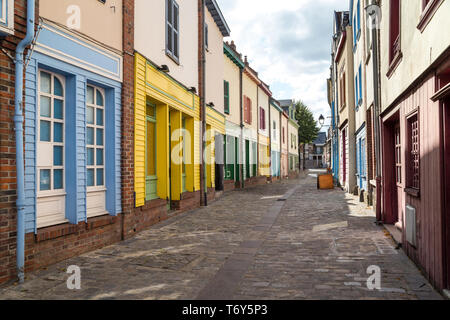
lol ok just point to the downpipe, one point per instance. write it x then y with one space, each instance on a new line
18 127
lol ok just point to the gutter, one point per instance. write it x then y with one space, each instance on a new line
18 127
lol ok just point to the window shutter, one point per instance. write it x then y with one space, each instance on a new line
245 109
249 111
227 97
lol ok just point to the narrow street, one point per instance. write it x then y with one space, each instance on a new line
281 241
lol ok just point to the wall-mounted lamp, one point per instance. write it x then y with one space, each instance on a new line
164 68
211 105
193 90
321 120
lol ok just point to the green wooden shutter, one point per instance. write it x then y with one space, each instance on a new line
227 96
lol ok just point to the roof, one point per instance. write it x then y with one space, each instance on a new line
233 55
286 103
218 17
321 139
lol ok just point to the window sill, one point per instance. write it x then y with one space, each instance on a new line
413 192
394 64
174 59
428 14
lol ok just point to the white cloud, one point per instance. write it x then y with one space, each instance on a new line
288 42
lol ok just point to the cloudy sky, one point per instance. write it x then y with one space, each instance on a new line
288 42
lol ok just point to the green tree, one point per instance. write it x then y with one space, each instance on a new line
308 129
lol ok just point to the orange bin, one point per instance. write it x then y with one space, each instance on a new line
325 182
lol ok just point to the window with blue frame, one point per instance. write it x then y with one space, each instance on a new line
360 85
50 157
356 91
95 137
3 11
363 158
357 24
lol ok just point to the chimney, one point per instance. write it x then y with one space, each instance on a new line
232 45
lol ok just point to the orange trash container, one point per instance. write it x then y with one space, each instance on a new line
325 182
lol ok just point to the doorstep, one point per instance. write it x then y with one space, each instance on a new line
395 233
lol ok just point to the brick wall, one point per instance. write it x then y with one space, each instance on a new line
7 144
128 109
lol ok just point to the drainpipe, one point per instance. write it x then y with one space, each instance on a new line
202 91
241 112
18 123
376 115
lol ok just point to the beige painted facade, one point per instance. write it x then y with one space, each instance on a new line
347 114
107 30
150 38
250 89
433 40
232 74
263 100
358 61
275 129
293 142
214 64
345 69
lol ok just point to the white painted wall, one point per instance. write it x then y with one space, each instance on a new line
214 64
419 49
150 37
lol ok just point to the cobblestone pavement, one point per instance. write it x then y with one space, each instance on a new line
281 241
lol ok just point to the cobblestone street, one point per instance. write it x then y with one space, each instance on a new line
281 241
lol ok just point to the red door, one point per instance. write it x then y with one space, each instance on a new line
344 156
447 187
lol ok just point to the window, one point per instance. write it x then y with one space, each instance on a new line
274 125
398 156
206 36
394 32
6 16
413 153
262 119
247 110
356 91
3 11
51 133
284 137
95 137
342 91
226 85
172 29
360 85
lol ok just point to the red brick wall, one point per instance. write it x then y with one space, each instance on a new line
128 109
7 144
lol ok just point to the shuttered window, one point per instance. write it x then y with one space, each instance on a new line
226 86
413 163
247 110
172 29
262 119
394 30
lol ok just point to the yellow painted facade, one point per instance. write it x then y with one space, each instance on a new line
264 156
175 109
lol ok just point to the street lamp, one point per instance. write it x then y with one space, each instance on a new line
321 120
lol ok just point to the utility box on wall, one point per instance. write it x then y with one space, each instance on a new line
411 225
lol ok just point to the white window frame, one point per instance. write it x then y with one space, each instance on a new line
52 192
7 17
96 188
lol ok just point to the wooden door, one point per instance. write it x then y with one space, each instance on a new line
446 114
151 178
